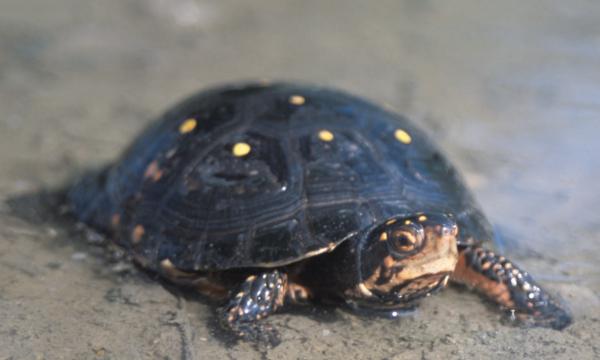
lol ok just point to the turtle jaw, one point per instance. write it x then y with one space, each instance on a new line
404 296
420 288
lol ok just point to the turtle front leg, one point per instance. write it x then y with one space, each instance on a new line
512 288
256 298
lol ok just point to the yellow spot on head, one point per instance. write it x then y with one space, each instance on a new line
326 135
407 222
388 262
383 236
297 100
422 218
241 149
402 136
187 126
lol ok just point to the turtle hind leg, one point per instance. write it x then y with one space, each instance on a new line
513 289
256 298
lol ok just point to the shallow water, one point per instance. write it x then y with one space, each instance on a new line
509 90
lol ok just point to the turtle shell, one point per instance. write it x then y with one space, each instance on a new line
266 175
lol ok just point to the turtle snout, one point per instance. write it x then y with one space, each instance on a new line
446 226
449 230
446 232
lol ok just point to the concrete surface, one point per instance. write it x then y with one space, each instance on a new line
509 89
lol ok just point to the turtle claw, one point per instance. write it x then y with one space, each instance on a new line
549 315
262 335
558 318
258 297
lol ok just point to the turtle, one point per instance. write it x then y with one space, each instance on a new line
265 195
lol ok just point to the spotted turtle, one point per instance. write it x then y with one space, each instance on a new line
266 195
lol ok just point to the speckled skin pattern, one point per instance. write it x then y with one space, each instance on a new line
251 178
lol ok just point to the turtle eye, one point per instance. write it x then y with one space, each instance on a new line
406 238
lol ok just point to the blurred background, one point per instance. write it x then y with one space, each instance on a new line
510 90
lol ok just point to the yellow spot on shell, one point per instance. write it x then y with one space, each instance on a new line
241 149
187 126
407 222
383 236
422 218
402 136
138 232
326 135
390 222
297 100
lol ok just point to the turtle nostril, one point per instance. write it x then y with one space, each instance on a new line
455 230
451 230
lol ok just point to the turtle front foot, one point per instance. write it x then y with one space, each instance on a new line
513 289
257 297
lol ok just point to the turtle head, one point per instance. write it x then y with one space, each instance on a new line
404 259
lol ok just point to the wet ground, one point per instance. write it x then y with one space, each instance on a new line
511 91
